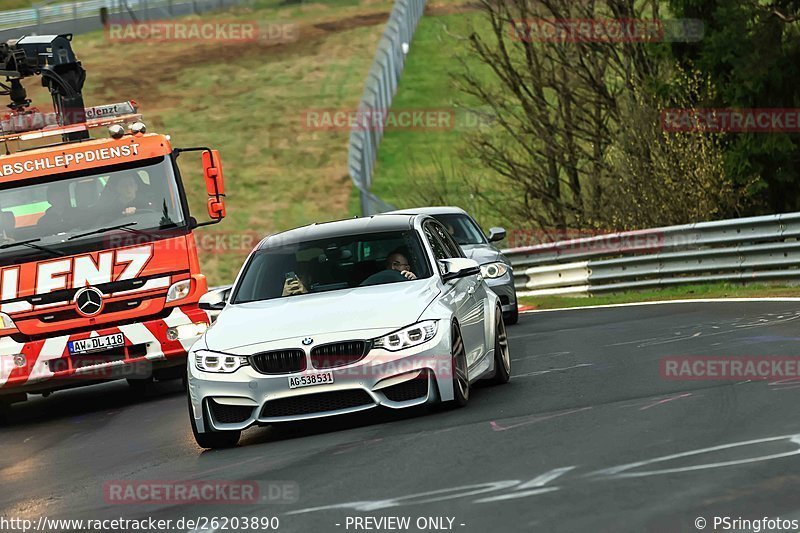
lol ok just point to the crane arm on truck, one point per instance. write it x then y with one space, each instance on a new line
52 58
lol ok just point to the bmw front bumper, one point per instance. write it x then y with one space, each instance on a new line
503 287
247 397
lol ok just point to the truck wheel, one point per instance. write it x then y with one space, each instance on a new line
140 385
5 405
5 412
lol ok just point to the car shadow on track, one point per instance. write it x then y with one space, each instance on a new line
371 417
104 397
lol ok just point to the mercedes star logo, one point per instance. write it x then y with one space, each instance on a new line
307 341
89 301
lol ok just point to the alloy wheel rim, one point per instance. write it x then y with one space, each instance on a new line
502 342
459 363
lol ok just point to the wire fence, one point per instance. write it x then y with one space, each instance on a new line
381 86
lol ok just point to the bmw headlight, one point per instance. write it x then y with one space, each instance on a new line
493 270
407 337
209 361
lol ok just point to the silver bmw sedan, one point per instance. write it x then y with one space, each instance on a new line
340 317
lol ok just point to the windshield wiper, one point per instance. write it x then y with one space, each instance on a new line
30 244
124 227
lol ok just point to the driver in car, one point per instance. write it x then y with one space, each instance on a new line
122 193
398 261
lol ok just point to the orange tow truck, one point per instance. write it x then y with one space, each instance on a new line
99 274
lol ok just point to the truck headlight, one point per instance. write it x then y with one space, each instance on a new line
407 337
224 363
179 290
493 270
186 331
6 322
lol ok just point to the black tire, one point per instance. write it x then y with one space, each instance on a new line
502 356
512 317
214 439
6 402
140 385
459 366
5 413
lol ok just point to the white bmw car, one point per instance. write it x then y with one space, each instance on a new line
343 317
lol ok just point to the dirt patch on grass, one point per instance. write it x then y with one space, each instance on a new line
353 22
161 64
441 9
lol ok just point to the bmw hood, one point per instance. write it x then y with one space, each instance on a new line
483 253
380 307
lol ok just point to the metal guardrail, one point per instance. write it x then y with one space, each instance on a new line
745 249
41 17
379 91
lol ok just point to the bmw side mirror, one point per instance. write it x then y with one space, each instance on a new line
458 267
215 299
496 234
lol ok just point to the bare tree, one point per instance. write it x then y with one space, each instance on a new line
578 136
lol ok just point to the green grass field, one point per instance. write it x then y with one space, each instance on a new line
249 101
710 290
15 4
420 164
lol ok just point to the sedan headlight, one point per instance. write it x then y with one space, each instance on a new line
209 361
407 337
493 270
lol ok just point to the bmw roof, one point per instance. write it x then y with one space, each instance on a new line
440 210
336 228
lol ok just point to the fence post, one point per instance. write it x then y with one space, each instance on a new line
379 90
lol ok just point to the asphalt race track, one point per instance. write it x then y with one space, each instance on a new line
550 451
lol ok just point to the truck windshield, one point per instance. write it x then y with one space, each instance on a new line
66 210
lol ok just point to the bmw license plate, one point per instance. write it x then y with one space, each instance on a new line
96 344
321 378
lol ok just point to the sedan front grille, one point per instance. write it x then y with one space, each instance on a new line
316 403
338 354
229 414
408 390
279 361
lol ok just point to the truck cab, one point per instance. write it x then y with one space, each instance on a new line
99 274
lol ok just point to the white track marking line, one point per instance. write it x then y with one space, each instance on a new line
661 302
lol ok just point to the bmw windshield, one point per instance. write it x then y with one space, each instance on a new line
332 264
462 228
51 215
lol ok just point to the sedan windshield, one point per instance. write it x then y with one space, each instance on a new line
462 228
332 264
40 216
